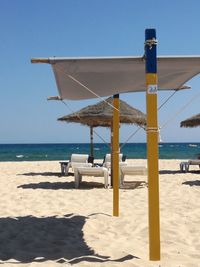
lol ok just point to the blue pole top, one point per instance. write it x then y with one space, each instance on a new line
116 96
150 51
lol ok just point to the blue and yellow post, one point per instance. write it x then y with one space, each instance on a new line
152 144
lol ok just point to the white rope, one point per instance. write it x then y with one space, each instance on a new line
70 108
138 129
143 127
151 42
181 110
57 98
80 120
159 132
167 99
102 138
160 140
84 86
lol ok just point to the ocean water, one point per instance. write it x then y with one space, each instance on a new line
41 152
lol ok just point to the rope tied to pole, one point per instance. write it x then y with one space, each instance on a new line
151 42
152 129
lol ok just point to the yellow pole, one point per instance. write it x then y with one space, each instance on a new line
115 156
152 144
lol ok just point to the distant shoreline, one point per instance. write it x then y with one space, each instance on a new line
63 151
86 143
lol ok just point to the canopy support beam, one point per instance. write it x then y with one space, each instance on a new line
40 60
152 144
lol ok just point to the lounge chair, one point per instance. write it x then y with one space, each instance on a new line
107 160
76 160
184 166
131 170
81 171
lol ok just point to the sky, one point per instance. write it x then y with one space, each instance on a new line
81 28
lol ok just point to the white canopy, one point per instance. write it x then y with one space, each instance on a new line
84 78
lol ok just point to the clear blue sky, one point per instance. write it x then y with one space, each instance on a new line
43 28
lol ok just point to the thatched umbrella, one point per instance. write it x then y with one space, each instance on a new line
101 114
193 121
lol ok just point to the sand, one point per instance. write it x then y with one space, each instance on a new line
44 221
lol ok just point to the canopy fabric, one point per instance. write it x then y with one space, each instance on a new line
109 76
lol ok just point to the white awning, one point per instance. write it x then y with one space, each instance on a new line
77 77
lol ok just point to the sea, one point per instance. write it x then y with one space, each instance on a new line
46 152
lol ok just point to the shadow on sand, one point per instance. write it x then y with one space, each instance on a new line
192 183
83 186
32 239
169 172
61 185
57 174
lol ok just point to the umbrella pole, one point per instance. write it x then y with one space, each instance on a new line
115 155
91 142
152 144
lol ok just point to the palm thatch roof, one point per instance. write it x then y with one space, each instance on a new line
101 114
193 121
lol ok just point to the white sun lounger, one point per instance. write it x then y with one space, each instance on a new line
76 160
107 161
184 166
131 170
79 172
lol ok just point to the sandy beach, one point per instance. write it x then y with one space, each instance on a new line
44 221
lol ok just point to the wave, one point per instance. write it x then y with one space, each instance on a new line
192 145
19 156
